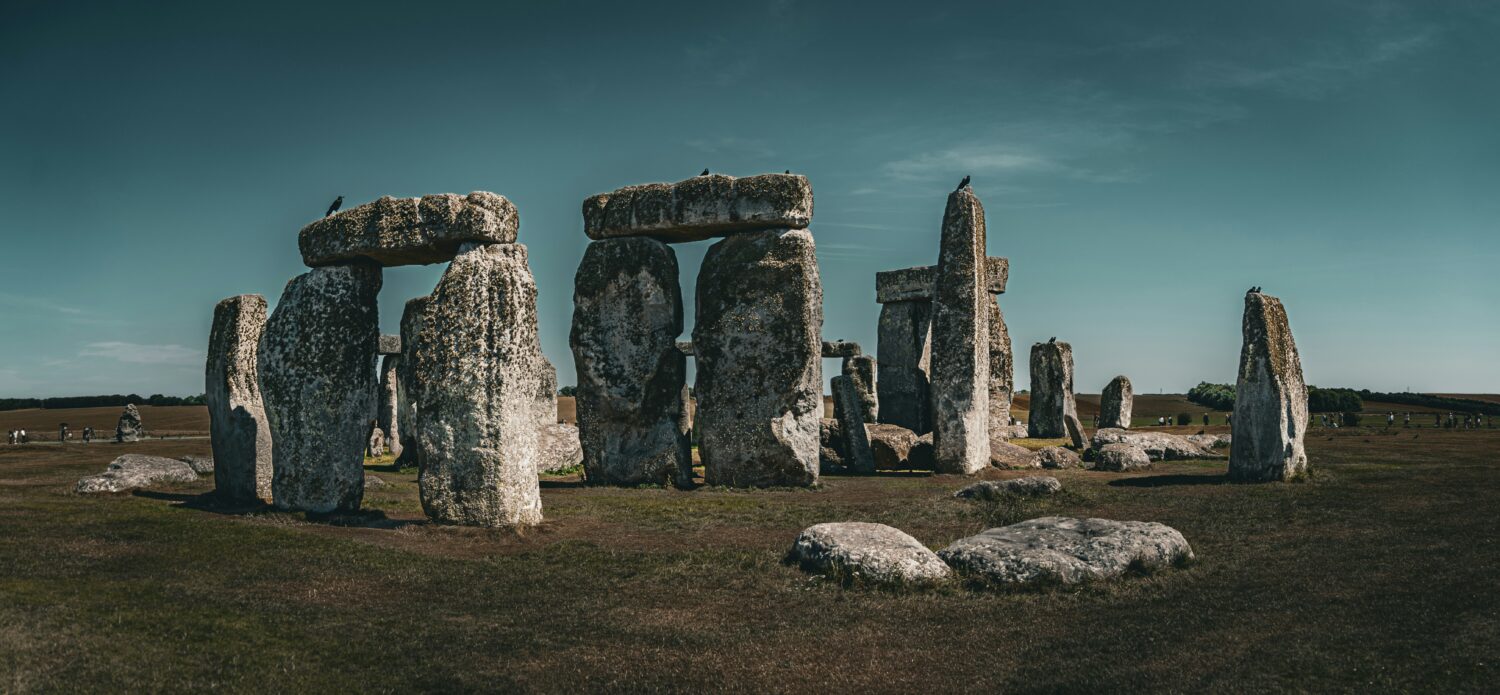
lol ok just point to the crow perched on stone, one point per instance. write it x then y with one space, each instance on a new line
335 206
788 171
705 173
1053 339
962 183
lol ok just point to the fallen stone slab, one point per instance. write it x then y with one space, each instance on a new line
1211 441
200 464
1058 457
916 284
867 554
1064 550
1029 486
891 445
1270 404
700 208
558 448
133 471
1003 454
1160 446
409 231
1120 457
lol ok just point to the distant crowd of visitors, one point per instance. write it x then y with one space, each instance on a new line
21 436
1464 421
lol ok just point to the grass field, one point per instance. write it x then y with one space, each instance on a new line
1379 574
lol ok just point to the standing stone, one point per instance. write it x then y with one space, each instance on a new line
388 408
961 340
1052 402
1270 398
129 427
477 379
1002 370
760 367
413 317
847 409
903 357
376 446
627 314
241 436
317 378
1115 404
861 368
545 405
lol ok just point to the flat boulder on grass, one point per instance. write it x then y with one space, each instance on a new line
200 464
1030 486
1064 550
133 471
864 553
1003 454
1120 457
891 445
1160 446
1058 457
1210 441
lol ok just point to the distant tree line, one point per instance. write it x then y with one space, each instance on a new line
1461 405
97 401
1221 397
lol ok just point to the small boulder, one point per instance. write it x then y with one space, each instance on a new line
202 465
1058 457
865 553
133 471
892 446
1064 550
1008 432
1003 454
1030 486
558 448
1121 457
374 481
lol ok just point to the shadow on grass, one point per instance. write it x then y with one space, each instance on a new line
212 503
1176 479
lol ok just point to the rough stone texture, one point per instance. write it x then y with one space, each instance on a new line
921 456
865 553
903 357
1074 427
407 231
240 433
133 471
558 448
1210 441
626 318
1270 398
388 407
830 445
1058 457
375 481
477 377
861 368
412 320
841 348
1064 550
1002 370
1120 457
701 207
1051 390
916 284
961 340
891 445
1030 486
1003 454
317 379
199 464
760 368
1115 403
847 410
1159 446
376 444
1008 432
685 346
129 427
544 407
388 345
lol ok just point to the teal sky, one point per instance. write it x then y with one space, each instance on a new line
1142 164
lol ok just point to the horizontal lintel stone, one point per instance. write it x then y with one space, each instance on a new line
915 284
701 207
409 231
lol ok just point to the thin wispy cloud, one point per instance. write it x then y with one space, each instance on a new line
40 304
1314 76
137 353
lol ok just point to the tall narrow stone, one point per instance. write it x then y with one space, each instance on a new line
847 410
412 320
1052 391
477 379
759 358
1002 369
388 409
627 314
1270 398
961 340
861 368
1115 403
317 378
237 417
902 361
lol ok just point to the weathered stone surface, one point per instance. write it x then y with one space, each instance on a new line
916 284
701 207
861 368
1074 427
760 368
1064 550
1115 403
1003 454
133 471
865 553
830 445
961 340
1058 457
413 318
544 407
407 231
1159 446
1270 398
841 348
476 378
1051 390
685 346
388 407
388 345
200 465
1210 441
1002 370
376 442
129 427
891 445
1120 457
1008 432
847 410
317 380
903 358
240 433
558 448
1030 486
375 481
627 314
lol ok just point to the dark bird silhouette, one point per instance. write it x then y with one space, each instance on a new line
788 171
705 173
962 183
337 202
1053 339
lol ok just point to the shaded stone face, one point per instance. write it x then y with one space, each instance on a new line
129 427
1270 398
388 345
1052 402
1002 371
960 377
317 380
902 360
758 338
407 231
841 348
627 314
701 207
476 377
237 418
413 319
861 369
1115 403
847 410
388 408
916 284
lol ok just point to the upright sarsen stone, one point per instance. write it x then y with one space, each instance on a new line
961 340
388 409
1002 370
129 427
1270 398
237 417
627 314
861 368
847 409
317 378
759 358
1052 404
1116 403
902 361
413 318
477 378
